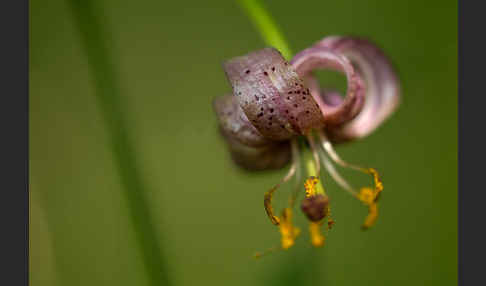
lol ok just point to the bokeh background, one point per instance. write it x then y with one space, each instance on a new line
208 214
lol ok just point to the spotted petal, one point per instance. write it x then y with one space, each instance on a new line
272 95
249 149
234 123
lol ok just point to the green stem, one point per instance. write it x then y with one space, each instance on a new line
266 26
95 41
310 165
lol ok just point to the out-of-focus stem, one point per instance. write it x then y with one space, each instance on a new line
95 41
266 26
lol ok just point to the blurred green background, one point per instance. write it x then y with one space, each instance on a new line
208 214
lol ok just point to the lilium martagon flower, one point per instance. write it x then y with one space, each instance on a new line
277 113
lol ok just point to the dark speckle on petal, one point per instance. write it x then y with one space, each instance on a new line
265 86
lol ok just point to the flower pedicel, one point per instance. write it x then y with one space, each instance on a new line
278 111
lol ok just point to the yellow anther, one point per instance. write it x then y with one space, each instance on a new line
317 238
310 186
330 220
372 216
287 230
368 196
267 199
376 179
267 202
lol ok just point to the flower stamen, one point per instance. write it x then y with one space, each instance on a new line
317 238
267 198
316 203
287 230
336 176
327 146
368 196
330 220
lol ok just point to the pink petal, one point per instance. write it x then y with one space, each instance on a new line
317 57
272 95
382 85
275 155
248 148
234 123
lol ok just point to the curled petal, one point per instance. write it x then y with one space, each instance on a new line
234 123
337 111
274 155
272 95
382 85
249 149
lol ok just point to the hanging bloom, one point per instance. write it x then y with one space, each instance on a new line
278 111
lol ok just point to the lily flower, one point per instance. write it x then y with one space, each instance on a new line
277 112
